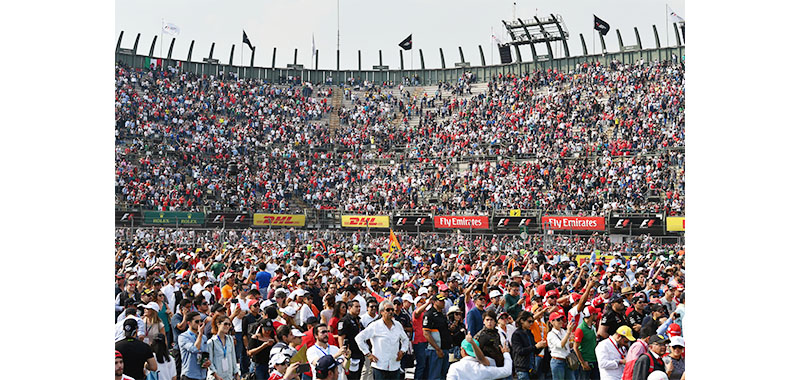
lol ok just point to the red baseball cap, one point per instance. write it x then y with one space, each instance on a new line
598 301
674 330
546 277
574 297
599 262
555 315
552 292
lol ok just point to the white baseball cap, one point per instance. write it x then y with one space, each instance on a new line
676 341
298 333
495 293
422 291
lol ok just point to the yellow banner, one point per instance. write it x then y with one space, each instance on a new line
676 223
279 220
515 212
584 258
364 221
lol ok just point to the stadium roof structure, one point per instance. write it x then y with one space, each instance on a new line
545 30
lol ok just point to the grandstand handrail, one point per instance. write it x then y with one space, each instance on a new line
425 76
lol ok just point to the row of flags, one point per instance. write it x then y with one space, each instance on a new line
599 25
602 27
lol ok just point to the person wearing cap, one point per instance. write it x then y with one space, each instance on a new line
651 360
473 363
584 346
474 317
675 363
402 316
613 317
327 368
611 354
495 296
437 333
652 320
636 315
119 367
304 312
419 342
557 341
136 355
389 343
348 327
130 313
489 338
458 331
130 291
288 338
152 324
281 369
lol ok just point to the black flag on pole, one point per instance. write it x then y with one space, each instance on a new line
406 44
246 40
601 26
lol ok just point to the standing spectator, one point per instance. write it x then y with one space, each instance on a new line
489 339
419 342
263 279
524 348
651 359
584 346
652 320
166 366
180 322
152 323
473 363
282 370
636 316
389 344
339 311
674 362
259 346
475 315
611 354
457 329
513 301
437 333
136 355
129 314
613 317
322 348
557 340
221 350
349 327
192 345
288 338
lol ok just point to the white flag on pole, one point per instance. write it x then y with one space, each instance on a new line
171 29
674 16
495 39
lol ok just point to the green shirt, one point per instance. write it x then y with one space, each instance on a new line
511 306
216 268
588 343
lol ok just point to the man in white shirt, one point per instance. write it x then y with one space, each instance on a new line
303 311
474 365
130 313
385 335
371 314
322 348
611 353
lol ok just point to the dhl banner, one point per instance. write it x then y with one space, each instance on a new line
279 220
676 223
364 221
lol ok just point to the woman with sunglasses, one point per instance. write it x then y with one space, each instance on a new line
165 314
523 347
152 324
221 350
558 341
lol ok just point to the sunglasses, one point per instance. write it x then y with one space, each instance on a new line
558 320
389 309
196 321
323 332
226 324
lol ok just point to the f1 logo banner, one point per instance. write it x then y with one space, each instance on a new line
636 224
124 218
228 219
364 221
278 220
513 224
573 223
462 222
413 223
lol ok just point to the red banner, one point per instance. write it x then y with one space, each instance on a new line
462 222
573 223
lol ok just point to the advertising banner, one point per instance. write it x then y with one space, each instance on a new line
413 223
172 218
279 220
513 224
364 221
124 218
462 222
676 223
573 223
636 224
228 220
583 259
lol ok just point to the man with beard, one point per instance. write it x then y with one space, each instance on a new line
349 326
612 317
636 316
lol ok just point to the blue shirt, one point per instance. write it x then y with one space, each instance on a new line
474 321
189 351
263 278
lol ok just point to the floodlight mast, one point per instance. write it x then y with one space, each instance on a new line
546 29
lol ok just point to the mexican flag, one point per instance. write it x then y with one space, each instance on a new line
149 61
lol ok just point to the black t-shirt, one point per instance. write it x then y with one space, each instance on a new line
262 357
635 318
613 320
349 326
435 320
247 320
134 354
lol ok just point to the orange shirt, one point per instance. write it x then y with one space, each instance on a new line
227 291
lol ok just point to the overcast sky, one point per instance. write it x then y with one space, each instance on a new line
371 25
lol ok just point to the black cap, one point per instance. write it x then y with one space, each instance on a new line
326 364
658 338
130 326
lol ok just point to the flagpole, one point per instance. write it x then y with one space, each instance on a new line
491 42
161 49
666 22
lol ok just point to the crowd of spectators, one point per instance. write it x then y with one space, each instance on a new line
264 302
594 139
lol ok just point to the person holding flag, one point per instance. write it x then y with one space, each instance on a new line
394 245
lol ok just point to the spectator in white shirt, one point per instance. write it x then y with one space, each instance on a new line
557 341
130 313
611 353
474 365
389 343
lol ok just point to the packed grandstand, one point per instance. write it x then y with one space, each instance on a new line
530 225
